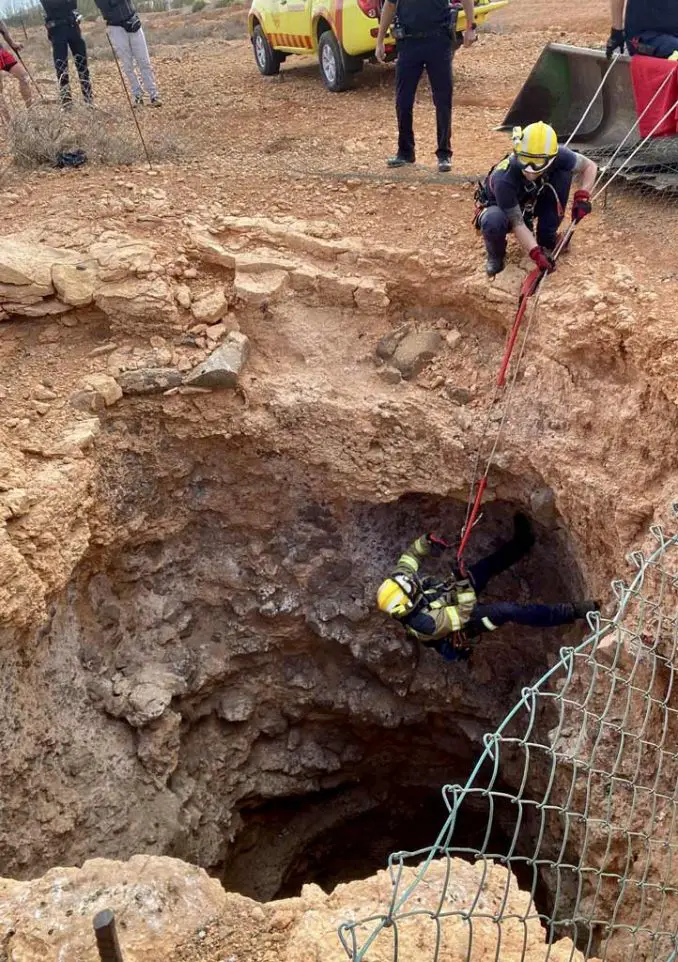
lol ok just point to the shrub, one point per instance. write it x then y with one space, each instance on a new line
178 4
198 5
37 137
223 3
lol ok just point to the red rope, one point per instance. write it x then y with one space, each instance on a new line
482 484
526 291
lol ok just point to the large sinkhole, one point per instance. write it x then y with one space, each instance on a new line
217 685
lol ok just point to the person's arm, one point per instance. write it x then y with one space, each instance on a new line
4 30
387 18
617 39
586 172
468 33
617 14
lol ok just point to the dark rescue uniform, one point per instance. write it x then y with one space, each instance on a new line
511 198
425 41
444 610
651 27
63 32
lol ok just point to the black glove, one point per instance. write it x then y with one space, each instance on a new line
582 608
616 42
437 545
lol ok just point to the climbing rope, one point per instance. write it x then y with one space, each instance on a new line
581 781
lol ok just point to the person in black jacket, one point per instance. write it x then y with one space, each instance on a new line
648 27
426 39
62 21
129 43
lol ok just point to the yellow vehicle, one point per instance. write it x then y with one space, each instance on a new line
341 33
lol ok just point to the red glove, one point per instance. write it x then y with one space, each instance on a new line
581 205
543 260
438 545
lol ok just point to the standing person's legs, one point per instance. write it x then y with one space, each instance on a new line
439 70
58 37
78 47
141 55
550 208
123 51
19 71
409 68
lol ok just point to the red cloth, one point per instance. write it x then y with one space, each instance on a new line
7 59
648 74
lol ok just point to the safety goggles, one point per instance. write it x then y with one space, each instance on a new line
534 164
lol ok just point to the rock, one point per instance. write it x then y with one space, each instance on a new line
146 702
183 296
235 706
222 367
216 331
151 300
75 283
210 307
389 342
458 395
23 264
210 250
88 401
149 380
390 375
543 505
453 338
42 393
415 351
258 288
120 256
370 295
79 438
48 306
106 386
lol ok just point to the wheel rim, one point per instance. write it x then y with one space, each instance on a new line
260 50
329 64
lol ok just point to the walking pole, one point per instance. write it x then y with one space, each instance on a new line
30 75
129 99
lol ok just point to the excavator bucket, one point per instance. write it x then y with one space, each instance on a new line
561 86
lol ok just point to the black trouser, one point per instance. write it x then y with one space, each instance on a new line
500 612
434 54
548 212
62 37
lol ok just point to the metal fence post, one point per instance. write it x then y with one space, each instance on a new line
107 937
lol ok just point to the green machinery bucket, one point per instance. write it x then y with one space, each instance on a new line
563 83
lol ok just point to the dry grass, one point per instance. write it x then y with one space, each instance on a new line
37 136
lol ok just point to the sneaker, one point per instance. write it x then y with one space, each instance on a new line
156 101
399 161
138 100
494 266
444 166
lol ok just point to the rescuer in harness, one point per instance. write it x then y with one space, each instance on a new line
532 184
445 615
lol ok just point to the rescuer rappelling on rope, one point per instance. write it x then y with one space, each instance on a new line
532 184
445 615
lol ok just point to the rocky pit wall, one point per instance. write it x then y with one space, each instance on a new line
210 458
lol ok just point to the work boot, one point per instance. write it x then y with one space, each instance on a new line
495 265
399 161
522 531
582 608
444 165
156 101
138 100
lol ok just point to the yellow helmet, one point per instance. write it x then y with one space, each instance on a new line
395 596
536 146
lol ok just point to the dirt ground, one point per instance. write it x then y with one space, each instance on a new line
286 146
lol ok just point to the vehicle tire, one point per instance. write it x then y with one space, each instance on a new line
268 60
333 67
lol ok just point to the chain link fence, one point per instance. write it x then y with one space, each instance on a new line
577 793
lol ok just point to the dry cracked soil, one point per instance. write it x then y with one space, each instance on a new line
233 386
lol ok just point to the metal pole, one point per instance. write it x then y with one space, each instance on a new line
107 937
23 27
30 75
129 100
